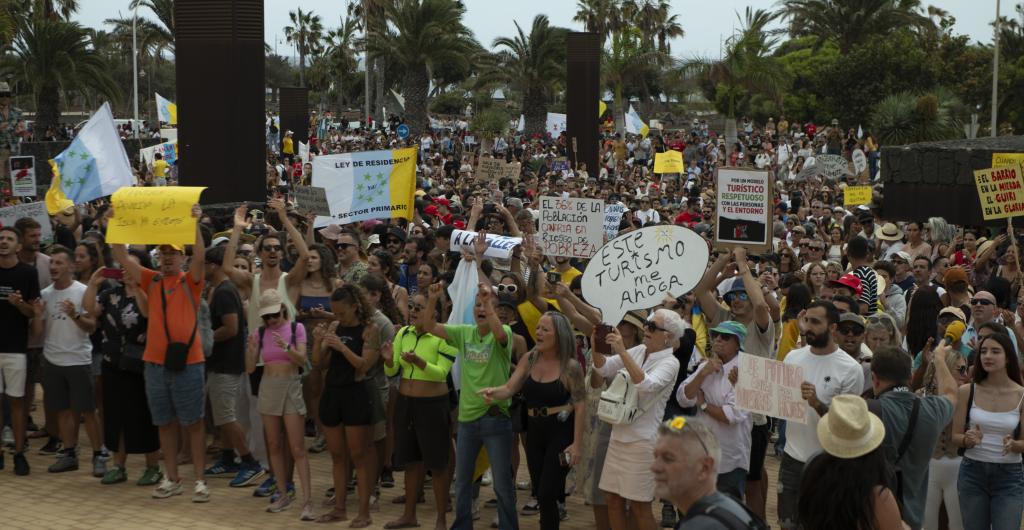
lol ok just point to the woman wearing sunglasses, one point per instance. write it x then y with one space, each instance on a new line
652 367
945 463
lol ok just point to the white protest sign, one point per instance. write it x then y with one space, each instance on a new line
312 199
23 176
572 228
490 168
498 247
771 388
635 270
555 124
860 161
612 219
35 210
832 166
744 208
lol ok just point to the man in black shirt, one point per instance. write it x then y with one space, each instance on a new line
224 373
19 292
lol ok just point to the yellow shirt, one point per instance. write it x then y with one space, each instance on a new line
529 315
790 336
569 275
287 146
160 168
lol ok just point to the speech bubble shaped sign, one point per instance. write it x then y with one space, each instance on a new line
636 269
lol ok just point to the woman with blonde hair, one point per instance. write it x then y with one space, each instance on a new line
945 463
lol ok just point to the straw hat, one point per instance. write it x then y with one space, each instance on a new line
848 430
983 246
888 232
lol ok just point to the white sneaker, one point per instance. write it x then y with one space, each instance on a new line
200 493
167 488
8 437
486 480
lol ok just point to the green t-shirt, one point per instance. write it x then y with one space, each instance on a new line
485 363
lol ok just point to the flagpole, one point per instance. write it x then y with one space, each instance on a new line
995 77
135 72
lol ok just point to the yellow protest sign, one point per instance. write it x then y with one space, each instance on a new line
856 195
670 161
154 215
1007 159
1001 191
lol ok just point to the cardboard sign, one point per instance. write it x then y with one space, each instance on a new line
490 168
499 247
770 387
1001 191
35 210
832 166
23 176
670 161
312 199
1007 159
154 215
635 270
572 228
513 170
860 161
856 195
612 219
743 215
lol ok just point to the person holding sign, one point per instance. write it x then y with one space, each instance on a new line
709 389
828 372
652 368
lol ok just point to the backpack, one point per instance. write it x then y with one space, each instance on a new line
618 405
743 520
205 328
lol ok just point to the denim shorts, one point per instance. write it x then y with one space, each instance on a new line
175 395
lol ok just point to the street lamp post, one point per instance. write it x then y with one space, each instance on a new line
135 72
995 77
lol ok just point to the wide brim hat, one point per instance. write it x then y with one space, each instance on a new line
888 232
848 429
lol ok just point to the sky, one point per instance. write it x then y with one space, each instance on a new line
706 23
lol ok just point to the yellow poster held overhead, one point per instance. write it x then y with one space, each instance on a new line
670 161
1001 191
1007 159
154 215
856 195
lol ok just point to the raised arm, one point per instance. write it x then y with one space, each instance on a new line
486 297
705 290
298 272
240 278
120 254
89 302
762 314
197 266
435 294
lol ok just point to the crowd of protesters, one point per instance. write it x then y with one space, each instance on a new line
268 339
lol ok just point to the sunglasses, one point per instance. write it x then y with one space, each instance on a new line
343 246
962 369
678 424
743 297
981 301
724 336
267 318
507 288
393 241
819 249
652 327
850 330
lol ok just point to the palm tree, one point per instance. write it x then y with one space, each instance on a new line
906 118
305 33
161 32
53 56
534 65
421 35
666 26
339 57
627 59
851 22
598 16
747 67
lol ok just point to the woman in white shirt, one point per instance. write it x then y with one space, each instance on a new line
653 369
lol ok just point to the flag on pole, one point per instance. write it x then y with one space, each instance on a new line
860 133
93 166
634 125
601 108
167 111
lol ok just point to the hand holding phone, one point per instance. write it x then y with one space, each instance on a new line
113 274
600 339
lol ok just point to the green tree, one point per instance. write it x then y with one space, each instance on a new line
627 62
306 33
907 118
53 56
419 36
452 102
852 22
599 16
534 66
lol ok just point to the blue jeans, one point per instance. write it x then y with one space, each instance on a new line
494 433
175 395
991 495
733 483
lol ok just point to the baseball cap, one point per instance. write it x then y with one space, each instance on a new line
270 302
850 282
853 317
506 299
217 241
736 286
954 275
442 201
731 327
903 255
955 311
179 248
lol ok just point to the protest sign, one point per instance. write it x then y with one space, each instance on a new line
555 124
1007 159
560 164
612 219
168 150
637 269
367 185
770 387
35 210
860 161
23 176
490 168
856 195
513 170
469 140
1001 191
154 215
572 228
670 161
832 166
498 247
743 216
311 199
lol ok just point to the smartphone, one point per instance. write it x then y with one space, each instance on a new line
490 208
600 334
554 277
565 459
257 216
113 274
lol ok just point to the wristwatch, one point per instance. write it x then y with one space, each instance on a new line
703 407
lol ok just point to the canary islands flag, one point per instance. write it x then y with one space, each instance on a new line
367 185
167 111
602 107
93 166
634 125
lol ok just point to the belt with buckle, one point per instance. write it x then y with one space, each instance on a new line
543 412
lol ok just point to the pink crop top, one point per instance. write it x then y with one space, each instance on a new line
270 351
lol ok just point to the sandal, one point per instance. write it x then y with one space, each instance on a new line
360 523
332 516
393 525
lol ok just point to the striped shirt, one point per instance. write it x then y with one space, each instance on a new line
869 287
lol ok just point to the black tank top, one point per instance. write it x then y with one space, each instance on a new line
553 394
340 372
